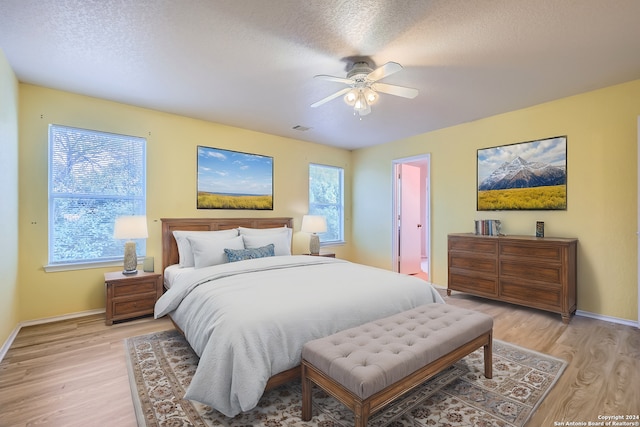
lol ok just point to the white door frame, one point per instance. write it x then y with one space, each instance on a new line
426 158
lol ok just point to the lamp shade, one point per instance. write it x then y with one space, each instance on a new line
131 227
314 224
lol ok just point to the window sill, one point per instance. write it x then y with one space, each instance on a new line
334 243
53 268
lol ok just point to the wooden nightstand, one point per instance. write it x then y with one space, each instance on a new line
131 296
325 254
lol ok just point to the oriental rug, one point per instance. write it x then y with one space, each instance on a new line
162 364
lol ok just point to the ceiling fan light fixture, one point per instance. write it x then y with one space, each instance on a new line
351 97
361 99
371 96
361 105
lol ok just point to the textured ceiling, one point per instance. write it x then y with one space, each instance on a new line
250 63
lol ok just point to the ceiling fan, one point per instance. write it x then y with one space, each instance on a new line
364 85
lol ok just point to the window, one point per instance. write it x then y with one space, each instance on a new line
94 177
326 198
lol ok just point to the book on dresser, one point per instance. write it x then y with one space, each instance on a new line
525 270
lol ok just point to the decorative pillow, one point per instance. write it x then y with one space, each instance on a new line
207 252
184 247
280 241
234 255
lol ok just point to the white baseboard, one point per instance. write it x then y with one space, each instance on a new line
14 333
590 315
8 342
608 318
62 317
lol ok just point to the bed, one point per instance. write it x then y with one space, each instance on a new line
248 320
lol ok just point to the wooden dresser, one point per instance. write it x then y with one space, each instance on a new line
530 271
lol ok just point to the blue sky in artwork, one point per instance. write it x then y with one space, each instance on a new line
552 151
232 172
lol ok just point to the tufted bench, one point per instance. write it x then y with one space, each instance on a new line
369 366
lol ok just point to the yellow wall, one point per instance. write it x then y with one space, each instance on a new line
602 190
171 184
9 200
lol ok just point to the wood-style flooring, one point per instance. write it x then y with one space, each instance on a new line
73 372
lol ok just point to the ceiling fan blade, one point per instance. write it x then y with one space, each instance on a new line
333 79
405 92
384 71
330 97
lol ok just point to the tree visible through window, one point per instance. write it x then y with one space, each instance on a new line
326 198
94 177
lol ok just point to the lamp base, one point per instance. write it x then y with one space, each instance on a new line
314 244
130 258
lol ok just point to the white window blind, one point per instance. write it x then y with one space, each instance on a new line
326 198
94 177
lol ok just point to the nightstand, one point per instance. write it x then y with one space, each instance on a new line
131 296
325 254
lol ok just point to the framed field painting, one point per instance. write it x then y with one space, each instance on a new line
528 175
234 180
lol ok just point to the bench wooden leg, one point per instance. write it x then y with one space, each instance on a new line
488 358
306 395
361 412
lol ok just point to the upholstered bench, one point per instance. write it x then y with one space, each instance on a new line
369 366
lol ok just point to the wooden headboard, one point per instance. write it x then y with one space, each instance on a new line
170 254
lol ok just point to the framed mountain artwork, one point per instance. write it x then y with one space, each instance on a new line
234 180
528 175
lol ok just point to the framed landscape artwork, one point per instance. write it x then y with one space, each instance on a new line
234 180
528 175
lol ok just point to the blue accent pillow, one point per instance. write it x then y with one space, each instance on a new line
234 255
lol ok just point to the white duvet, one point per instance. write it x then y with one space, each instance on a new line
248 320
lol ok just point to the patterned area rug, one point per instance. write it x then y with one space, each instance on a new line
161 366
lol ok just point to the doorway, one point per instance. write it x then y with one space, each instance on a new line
411 216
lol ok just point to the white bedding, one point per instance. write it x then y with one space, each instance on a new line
248 320
173 271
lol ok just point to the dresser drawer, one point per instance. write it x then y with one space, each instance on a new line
478 285
531 294
548 273
475 245
470 262
542 252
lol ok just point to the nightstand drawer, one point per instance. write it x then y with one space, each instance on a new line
132 306
134 288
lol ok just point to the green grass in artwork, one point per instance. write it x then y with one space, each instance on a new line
226 201
551 197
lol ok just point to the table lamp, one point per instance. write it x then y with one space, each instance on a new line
129 228
314 224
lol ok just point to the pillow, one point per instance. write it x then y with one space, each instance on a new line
281 242
184 247
263 231
207 252
241 254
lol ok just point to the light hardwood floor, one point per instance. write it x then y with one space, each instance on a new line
73 372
